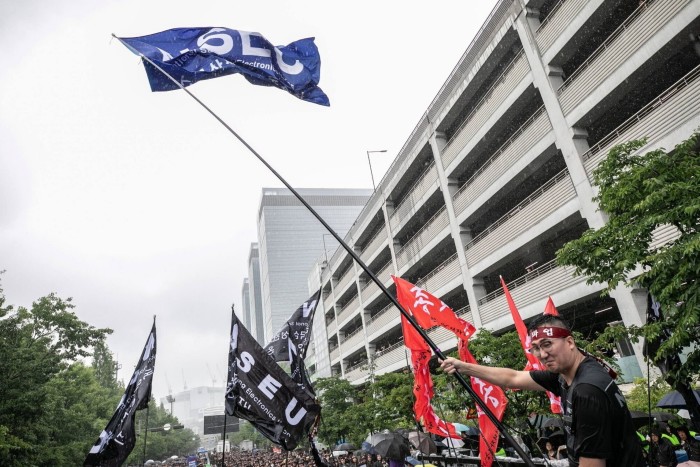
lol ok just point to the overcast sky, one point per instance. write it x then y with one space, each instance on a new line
139 204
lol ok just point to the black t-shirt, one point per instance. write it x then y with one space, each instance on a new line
601 427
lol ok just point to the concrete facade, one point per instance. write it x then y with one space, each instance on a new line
497 174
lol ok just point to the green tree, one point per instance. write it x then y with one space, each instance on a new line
160 443
339 411
36 345
390 398
76 410
246 431
640 397
105 367
639 193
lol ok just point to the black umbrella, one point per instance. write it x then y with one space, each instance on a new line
423 442
663 416
640 419
554 422
674 400
391 445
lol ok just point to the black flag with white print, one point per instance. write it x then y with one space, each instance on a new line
260 391
290 342
118 439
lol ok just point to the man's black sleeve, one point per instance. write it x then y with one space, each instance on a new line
548 380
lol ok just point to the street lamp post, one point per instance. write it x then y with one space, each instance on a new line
370 167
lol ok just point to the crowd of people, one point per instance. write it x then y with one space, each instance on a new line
261 458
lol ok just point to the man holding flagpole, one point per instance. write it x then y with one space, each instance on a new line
597 421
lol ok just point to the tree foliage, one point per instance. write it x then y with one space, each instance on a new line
160 444
39 347
338 410
642 193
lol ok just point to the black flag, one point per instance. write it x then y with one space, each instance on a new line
652 346
259 390
290 342
118 439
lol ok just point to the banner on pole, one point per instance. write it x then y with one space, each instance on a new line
195 54
291 342
118 439
259 390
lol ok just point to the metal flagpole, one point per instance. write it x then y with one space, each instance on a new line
145 434
223 435
413 398
354 256
223 443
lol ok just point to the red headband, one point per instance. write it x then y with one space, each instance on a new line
543 332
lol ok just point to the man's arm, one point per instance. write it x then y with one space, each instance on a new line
504 377
588 462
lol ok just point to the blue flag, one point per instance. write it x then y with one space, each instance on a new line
194 54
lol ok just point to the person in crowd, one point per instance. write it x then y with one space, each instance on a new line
667 433
662 452
551 452
689 444
598 423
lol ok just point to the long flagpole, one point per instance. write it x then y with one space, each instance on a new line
354 256
223 435
145 434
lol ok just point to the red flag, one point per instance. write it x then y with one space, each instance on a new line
495 399
533 362
550 309
429 310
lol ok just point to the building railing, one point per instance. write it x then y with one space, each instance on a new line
335 353
523 139
369 288
556 22
562 176
435 225
665 98
504 85
349 309
392 354
440 275
606 44
535 286
357 365
347 277
637 31
552 13
425 180
546 267
374 243
351 340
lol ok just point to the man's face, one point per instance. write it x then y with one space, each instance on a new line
555 353
682 436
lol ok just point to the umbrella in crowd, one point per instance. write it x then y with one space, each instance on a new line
640 419
554 422
345 447
558 438
468 430
674 400
391 445
423 442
